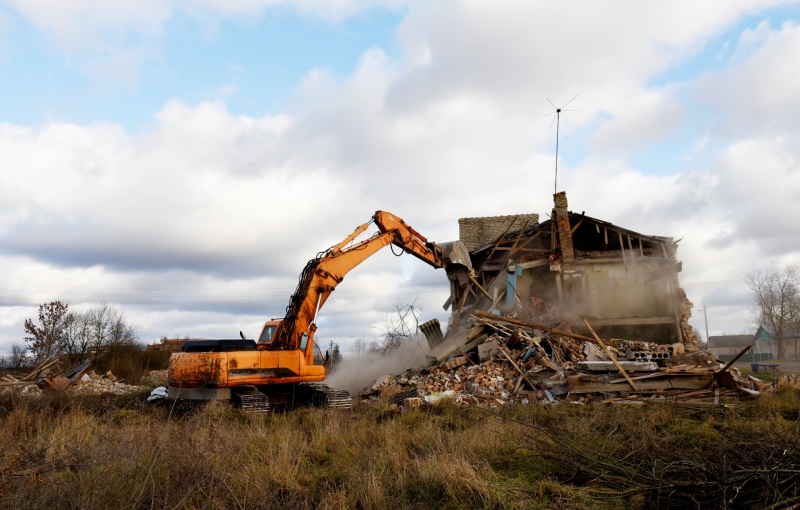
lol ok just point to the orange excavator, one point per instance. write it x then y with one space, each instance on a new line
285 367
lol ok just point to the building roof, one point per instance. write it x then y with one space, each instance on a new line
730 340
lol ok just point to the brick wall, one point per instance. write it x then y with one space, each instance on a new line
478 232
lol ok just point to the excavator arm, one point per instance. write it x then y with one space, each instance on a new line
322 274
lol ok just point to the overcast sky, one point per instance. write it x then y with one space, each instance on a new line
183 160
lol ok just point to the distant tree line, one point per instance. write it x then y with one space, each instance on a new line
78 334
776 304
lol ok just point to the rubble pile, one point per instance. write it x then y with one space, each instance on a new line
501 359
155 376
50 376
93 384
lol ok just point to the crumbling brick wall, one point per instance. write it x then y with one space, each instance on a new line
478 232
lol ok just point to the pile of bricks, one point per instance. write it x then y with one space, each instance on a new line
529 366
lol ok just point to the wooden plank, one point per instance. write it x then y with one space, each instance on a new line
474 343
741 353
666 383
534 236
605 260
663 272
630 252
610 354
516 242
447 303
461 306
483 291
521 373
605 233
456 341
531 325
573 229
622 248
533 263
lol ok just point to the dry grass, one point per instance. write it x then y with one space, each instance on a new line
119 452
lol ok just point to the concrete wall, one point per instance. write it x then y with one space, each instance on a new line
607 290
479 232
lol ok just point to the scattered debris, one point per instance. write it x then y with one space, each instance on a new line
49 375
527 363
93 384
158 393
155 376
531 311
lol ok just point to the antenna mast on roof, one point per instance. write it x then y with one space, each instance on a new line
557 120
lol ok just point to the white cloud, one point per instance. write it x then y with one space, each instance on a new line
758 94
88 21
649 116
202 223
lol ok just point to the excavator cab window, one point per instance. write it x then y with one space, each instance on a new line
303 341
266 335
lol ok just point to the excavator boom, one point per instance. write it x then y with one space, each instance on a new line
322 274
284 354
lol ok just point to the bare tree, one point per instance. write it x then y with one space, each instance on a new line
44 338
397 329
16 358
776 302
101 328
76 339
360 347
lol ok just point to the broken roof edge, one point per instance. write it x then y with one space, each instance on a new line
511 236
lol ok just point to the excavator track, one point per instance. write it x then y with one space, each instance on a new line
326 396
255 403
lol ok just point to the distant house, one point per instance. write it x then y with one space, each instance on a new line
624 282
725 347
167 345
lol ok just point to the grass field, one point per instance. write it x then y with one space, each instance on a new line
119 452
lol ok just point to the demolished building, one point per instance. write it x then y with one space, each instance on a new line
531 304
624 282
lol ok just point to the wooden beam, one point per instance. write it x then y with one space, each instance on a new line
483 291
573 229
533 263
630 252
461 307
516 242
610 355
534 236
622 248
531 325
736 358
662 383
521 373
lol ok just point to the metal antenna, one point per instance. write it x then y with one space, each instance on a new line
557 120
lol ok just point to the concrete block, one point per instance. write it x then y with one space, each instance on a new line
608 366
488 349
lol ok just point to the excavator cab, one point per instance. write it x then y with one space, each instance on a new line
268 331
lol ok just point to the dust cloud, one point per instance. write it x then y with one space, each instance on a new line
356 373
